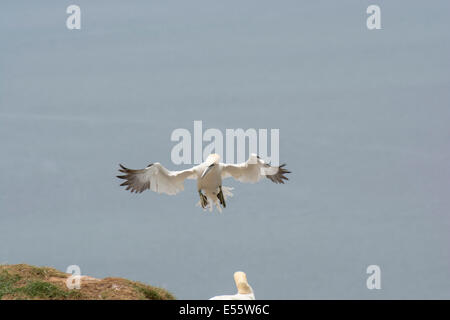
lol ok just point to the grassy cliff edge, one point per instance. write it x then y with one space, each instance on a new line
25 282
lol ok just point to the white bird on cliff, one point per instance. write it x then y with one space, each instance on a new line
245 292
209 175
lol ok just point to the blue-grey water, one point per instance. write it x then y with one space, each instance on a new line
364 128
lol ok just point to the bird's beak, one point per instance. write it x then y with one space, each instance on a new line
207 170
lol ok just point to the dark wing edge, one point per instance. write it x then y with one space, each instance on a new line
132 181
279 176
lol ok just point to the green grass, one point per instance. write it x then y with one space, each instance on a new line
39 272
25 282
32 288
7 282
43 290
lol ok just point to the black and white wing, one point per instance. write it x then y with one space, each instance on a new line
156 178
253 170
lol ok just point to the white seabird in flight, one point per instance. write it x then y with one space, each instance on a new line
245 292
209 175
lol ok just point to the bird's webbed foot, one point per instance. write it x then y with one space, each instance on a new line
203 199
221 197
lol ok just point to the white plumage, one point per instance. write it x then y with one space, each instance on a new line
245 292
209 175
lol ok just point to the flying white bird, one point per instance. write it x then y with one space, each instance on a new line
245 292
209 175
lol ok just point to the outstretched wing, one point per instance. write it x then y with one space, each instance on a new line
156 178
253 170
